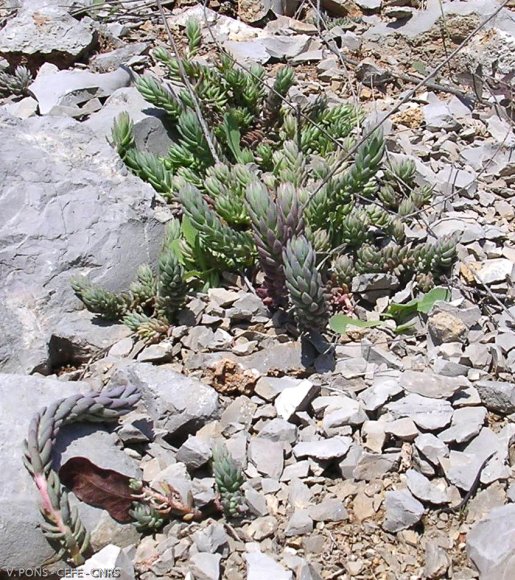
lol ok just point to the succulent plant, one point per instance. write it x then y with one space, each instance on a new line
16 83
228 479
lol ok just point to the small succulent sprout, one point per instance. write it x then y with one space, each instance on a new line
229 479
107 304
122 134
16 83
194 35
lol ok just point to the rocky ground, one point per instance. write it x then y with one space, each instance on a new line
390 456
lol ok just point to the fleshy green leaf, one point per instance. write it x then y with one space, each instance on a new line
427 301
340 323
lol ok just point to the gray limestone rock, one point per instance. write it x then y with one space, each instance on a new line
267 456
176 403
67 91
374 465
109 558
424 490
45 33
300 523
402 510
491 544
68 209
466 423
261 566
295 398
211 538
329 510
427 413
431 385
279 430
497 396
194 452
431 447
385 386
205 566
332 448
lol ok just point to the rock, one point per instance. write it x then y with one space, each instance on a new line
332 448
497 396
431 447
284 357
261 566
194 453
466 423
177 477
372 75
437 561
23 109
211 538
267 456
262 528
109 61
246 307
296 470
427 413
285 46
109 558
150 133
431 385
21 397
295 398
342 411
496 270
437 116
374 465
369 4
403 429
246 51
384 387
491 543
487 443
205 566
45 33
241 411
89 218
374 286
178 404
66 92
279 430
424 490
402 510
300 523
329 510
443 327
256 502
373 435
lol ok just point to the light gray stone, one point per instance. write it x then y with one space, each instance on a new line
329 510
491 544
427 413
424 490
438 116
402 510
261 528
497 396
267 456
205 566
109 558
326 449
45 33
88 217
109 61
285 47
343 411
261 566
383 388
176 403
300 523
488 442
431 385
65 90
374 465
194 452
211 538
496 270
295 398
431 447
466 423
279 430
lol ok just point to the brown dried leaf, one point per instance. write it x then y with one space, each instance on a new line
102 488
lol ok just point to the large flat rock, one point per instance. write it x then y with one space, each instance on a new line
68 207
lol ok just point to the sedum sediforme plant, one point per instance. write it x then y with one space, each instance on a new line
228 479
62 526
269 191
16 83
149 306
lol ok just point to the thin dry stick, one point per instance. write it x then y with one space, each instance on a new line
404 100
187 84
